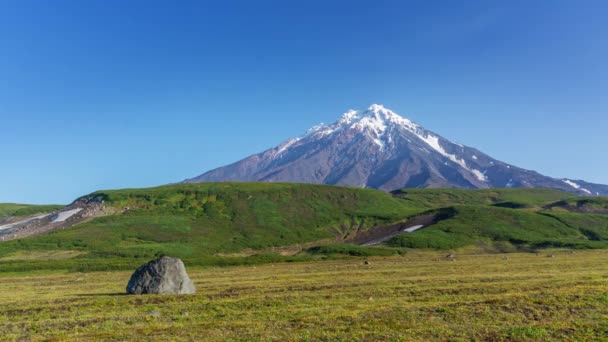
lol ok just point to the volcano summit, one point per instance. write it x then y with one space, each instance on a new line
377 148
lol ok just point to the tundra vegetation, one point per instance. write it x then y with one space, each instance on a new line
282 262
221 224
417 296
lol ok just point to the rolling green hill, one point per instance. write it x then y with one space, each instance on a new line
507 230
592 205
227 223
200 221
508 219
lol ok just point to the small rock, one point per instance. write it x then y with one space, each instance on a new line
184 314
154 313
370 298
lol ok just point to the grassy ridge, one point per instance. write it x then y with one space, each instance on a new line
507 219
598 205
197 221
248 223
17 210
7 209
509 229
522 198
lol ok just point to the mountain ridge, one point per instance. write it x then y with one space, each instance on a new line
377 148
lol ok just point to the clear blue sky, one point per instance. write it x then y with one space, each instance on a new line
112 94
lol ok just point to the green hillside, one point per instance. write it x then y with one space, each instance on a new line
504 229
513 198
198 221
231 223
18 210
593 205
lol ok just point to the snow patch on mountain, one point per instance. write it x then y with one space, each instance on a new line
348 117
576 186
374 126
318 131
433 142
287 144
479 175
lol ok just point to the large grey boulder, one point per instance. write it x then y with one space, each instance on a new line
166 275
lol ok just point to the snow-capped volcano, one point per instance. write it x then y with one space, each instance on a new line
379 149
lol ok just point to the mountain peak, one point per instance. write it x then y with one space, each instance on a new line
375 116
377 148
373 122
380 109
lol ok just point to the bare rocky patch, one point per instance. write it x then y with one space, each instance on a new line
81 210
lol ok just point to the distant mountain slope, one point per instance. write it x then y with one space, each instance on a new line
377 148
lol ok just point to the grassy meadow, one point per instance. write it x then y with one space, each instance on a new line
416 296
277 262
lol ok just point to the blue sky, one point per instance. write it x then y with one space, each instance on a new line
113 94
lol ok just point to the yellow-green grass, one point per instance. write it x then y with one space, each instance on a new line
418 296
